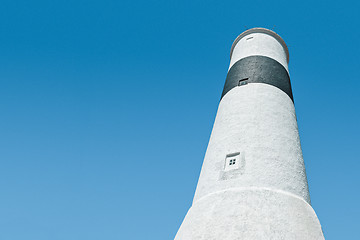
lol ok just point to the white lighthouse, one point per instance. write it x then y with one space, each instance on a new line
253 183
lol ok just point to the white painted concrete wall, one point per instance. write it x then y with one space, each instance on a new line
258 120
266 195
250 214
259 44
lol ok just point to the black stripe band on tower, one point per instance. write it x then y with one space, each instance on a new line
258 69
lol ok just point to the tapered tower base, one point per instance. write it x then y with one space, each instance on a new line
250 214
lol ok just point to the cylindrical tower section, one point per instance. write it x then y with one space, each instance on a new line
253 183
255 122
259 41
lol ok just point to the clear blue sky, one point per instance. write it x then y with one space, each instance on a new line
107 107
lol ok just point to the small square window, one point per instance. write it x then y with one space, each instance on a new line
232 161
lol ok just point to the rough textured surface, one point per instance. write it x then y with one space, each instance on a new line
259 44
258 120
250 214
258 69
253 183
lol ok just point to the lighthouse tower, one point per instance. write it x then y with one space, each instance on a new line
253 183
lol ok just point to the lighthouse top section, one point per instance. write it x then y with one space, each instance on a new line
259 41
